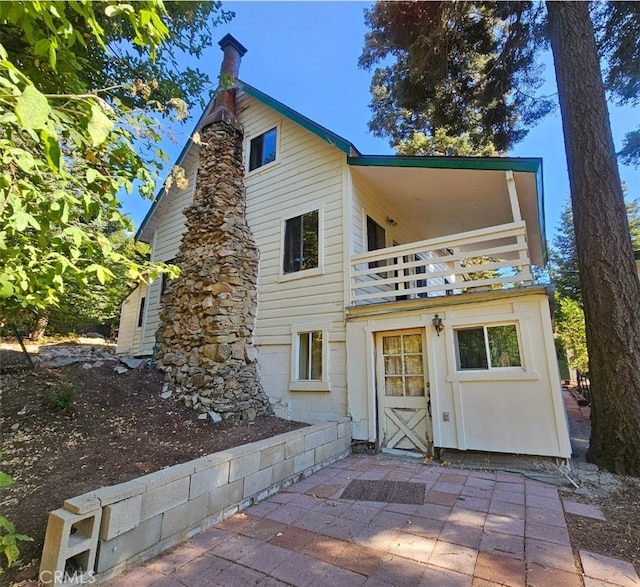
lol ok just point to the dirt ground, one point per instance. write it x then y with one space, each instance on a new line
619 535
68 430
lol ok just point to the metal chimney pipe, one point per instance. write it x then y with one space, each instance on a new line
224 106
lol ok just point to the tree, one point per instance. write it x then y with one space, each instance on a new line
462 36
100 303
564 269
608 278
563 260
617 27
80 120
443 144
453 71
571 333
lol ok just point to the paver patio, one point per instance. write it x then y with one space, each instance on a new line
474 528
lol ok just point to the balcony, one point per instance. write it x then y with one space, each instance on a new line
479 260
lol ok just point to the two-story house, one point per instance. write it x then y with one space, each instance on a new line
395 290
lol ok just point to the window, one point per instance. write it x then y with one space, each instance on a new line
488 347
163 286
376 239
263 149
309 356
141 312
165 280
301 242
403 365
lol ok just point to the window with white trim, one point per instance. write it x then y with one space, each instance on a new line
309 366
262 149
301 242
487 347
309 357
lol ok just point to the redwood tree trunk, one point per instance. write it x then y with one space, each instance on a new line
608 278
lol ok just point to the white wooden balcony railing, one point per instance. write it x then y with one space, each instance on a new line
489 258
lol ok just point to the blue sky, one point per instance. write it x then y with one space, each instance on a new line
305 54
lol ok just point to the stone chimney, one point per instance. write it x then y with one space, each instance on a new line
205 339
224 106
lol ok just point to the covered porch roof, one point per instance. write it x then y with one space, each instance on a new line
440 196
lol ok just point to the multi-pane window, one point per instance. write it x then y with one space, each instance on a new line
488 347
263 149
310 356
403 366
301 242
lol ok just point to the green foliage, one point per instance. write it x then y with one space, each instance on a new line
564 266
504 349
570 330
451 68
458 78
8 535
100 303
630 152
79 124
62 397
617 27
441 144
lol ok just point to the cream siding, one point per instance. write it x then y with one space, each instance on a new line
367 203
307 175
152 318
170 221
129 334
488 413
514 410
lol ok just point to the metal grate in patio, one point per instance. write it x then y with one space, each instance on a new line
385 491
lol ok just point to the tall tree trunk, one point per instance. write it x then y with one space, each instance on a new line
608 278
37 332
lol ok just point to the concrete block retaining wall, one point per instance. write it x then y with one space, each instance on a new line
112 529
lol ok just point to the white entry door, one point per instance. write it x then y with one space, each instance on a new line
403 391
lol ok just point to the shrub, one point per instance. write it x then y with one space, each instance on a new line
8 535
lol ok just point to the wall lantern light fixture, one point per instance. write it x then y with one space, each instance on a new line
437 324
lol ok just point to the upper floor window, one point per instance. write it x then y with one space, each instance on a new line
488 347
376 239
301 242
263 149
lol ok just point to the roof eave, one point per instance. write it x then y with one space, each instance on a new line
308 124
515 164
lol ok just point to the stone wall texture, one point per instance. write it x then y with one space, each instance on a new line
205 343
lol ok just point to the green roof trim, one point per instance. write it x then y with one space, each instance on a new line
541 216
516 164
530 165
306 123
